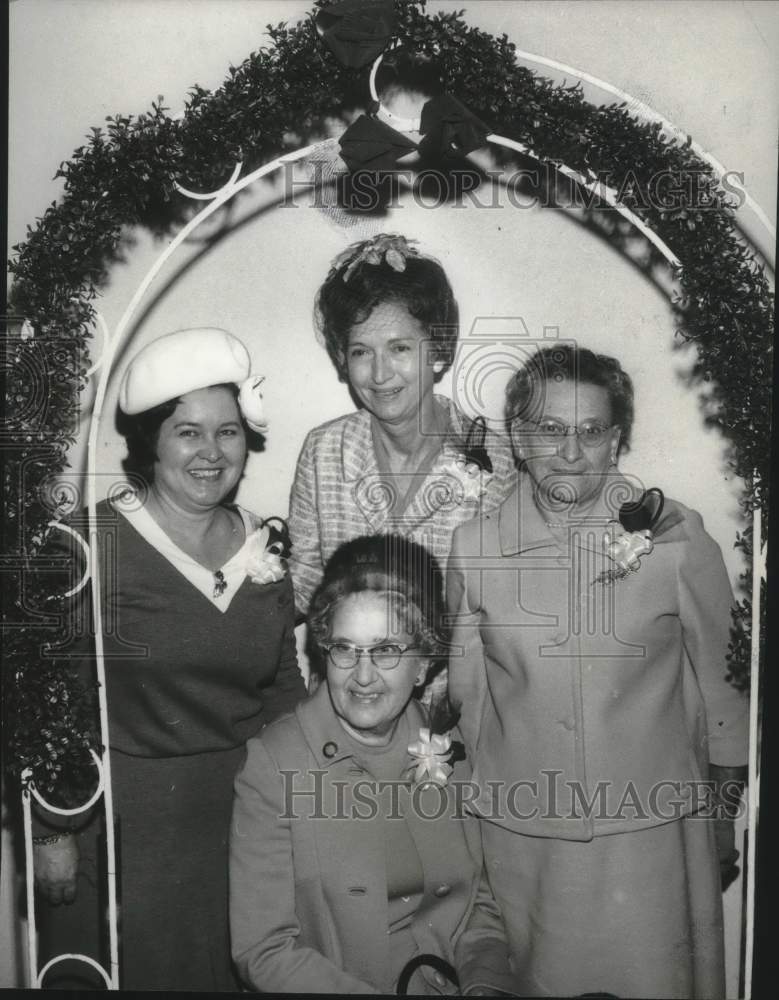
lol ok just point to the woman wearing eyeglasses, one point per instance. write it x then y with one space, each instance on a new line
349 855
589 665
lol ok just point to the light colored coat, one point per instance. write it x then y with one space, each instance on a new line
617 690
339 494
308 895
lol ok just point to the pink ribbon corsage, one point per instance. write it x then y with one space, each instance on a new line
431 755
264 557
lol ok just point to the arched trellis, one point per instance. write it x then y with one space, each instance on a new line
168 151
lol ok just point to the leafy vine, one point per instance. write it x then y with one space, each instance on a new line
125 175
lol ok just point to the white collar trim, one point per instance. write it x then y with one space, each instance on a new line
199 576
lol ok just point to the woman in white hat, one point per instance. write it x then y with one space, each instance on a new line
199 655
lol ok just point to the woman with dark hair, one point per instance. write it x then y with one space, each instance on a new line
407 460
591 627
348 813
199 655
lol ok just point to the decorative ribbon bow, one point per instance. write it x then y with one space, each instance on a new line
475 451
357 31
369 144
449 129
432 754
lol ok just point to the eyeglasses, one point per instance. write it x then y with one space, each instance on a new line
590 433
384 655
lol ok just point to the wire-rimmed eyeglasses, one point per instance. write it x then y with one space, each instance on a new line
590 433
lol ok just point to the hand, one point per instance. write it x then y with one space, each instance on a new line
725 837
56 868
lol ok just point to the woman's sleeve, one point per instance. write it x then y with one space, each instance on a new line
481 954
706 599
263 924
467 671
305 561
288 687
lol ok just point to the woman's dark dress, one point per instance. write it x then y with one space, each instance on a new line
187 684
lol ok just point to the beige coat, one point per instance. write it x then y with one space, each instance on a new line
593 708
308 895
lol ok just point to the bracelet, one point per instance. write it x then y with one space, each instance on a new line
52 838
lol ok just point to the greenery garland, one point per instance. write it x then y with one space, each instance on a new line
125 175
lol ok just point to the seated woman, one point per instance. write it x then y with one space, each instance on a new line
199 654
341 868
591 676
408 460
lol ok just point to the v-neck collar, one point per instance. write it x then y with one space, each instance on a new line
199 576
374 489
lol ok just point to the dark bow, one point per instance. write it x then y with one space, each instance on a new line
450 129
357 31
369 144
474 450
278 535
644 513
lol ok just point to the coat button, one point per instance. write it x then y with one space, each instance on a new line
443 890
330 749
568 723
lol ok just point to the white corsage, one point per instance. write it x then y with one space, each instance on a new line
432 755
264 562
625 549
473 480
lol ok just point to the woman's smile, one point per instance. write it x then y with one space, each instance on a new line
367 699
386 363
201 449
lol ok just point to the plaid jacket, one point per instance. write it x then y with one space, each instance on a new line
339 494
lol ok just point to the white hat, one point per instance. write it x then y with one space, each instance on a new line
187 360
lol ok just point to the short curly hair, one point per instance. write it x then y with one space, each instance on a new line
525 390
423 288
384 564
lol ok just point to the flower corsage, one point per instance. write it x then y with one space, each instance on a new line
625 541
472 467
433 756
472 480
267 549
